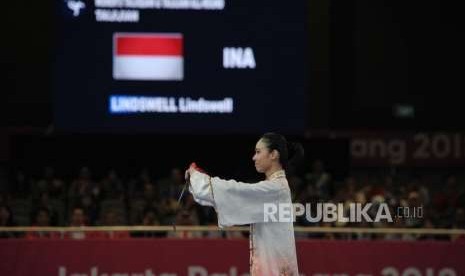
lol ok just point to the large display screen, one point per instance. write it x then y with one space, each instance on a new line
180 66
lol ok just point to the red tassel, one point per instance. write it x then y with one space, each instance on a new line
194 165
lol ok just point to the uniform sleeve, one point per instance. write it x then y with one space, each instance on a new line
236 203
201 189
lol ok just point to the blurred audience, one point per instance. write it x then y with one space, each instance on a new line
50 200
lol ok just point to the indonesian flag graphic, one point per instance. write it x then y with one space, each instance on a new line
148 56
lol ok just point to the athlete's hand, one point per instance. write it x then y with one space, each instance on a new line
193 167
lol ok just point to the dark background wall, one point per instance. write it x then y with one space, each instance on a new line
365 57
228 156
385 53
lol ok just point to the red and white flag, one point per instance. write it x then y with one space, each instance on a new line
148 56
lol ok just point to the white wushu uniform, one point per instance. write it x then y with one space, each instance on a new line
272 244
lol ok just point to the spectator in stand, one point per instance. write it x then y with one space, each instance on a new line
3 198
328 236
91 208
443 200
50 183
413 203
186 218
44 202
136 186
42 219
6 220
428 224
451 190
111 218
149 193
112 186
442 205
148 201
21 185
167 210
82 186
78 219
3 183
171 186
459 223
397 223
150 218
320 179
